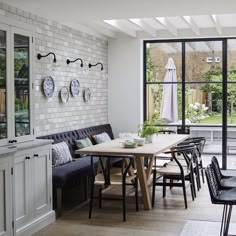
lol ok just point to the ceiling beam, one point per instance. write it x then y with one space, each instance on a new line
146 27
168 25
216 22
189 20
121 27
102 28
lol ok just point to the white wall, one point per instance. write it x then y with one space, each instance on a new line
51 115
125 86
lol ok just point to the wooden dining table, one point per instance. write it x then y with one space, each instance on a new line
113 148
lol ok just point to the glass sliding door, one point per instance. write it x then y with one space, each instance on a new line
202 87
231 103
203 94
157 58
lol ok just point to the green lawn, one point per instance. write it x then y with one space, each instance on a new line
217 119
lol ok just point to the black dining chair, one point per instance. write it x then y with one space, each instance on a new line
110 177
175 173
200 143
221 195
224 180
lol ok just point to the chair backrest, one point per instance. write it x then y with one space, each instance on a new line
212 182
187 151
198 141
216 168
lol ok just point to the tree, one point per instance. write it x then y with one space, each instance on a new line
216 88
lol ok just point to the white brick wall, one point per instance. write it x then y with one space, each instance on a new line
51 116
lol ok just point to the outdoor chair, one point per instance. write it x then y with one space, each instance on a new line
221 195
111 180
176 173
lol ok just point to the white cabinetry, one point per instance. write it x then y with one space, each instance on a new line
33 189
5 197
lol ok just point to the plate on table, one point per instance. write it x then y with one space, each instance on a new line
129 144
64 93
74 87
48 86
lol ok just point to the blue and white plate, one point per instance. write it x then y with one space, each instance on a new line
48 86
74 87
64 93
87 94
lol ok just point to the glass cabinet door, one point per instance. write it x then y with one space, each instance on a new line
3 87
22 85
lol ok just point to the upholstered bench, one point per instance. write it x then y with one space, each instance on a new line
71 173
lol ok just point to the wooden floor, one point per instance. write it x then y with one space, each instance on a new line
167 218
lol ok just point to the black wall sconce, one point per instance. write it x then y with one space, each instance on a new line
99 63
39 56
68 61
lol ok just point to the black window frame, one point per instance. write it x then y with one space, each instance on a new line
183 42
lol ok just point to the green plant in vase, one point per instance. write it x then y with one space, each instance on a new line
150 127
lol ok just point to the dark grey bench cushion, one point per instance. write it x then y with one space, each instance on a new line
69 173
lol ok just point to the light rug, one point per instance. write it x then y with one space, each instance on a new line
205 228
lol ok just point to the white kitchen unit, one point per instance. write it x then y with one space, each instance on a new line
6 215
26 188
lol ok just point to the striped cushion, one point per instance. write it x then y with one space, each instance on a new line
60 154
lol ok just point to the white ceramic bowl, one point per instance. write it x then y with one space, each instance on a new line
139 141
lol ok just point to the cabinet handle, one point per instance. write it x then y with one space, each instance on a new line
27 158
12 141
36 155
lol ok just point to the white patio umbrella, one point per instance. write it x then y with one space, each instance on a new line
169 104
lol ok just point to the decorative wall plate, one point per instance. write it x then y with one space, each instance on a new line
87 94
48 86
74 87
64 93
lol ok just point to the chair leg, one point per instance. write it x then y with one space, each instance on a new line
153 188
91 198
203 179
184 192
222 221
59 201
136 194
198 175
171 183
194 186
228 221
164 187
191 186
100 196
124 198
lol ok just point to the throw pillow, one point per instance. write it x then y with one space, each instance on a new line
101 138
83 143
60 154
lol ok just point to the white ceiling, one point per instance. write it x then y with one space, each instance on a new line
139 18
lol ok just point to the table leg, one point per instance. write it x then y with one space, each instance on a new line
143 183
149 168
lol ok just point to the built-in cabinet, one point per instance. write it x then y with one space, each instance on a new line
25 162
16 85
6 219
26 189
